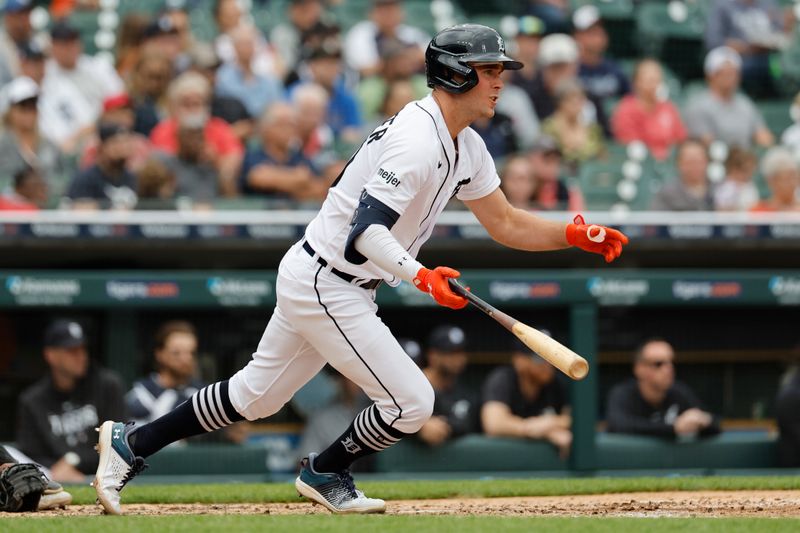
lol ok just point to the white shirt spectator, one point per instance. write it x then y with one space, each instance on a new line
73 99
361 43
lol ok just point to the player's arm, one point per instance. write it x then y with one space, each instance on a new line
370 239
523 230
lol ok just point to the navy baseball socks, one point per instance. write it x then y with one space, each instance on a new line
123 447
325 478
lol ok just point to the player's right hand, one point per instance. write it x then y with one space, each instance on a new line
434 282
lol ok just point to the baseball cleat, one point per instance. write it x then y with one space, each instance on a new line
54 496
118 464
336 491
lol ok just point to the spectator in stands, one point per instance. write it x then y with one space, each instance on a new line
647 115
516 180
73 90
156 183
737 192
107 183
323 65
363 41
601 76
558 60
316 137
189 99
653 402
550 192
148 90
193 165
57 415
236 79
118 109
278 168
265 61
15 34
399 61
720 112
577 139
178 15
32 62
529 35
526 400
231 110
456 406
175 378
22 142
787 413
691 191
398 94
29 192
791 136
130 37
779 168
554 14
753 28
161 34
286 37
497 133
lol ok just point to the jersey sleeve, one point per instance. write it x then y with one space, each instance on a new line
485 179
403 165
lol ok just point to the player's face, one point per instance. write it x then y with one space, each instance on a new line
484 96
70 363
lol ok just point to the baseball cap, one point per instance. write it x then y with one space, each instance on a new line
31 50
15 6
557 48
203 56
328 48
717 58
546 144
447 339
530 26
20 89
161 26
117 101
412 349
64 334
585 17
64 31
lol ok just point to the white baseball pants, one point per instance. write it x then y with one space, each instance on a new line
320 319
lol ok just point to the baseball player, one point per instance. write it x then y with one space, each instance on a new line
377 215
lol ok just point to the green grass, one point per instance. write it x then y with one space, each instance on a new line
390 524
413 490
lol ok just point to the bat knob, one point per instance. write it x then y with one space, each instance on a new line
579 369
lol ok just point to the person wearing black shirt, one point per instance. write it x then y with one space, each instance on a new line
455 408
787 407
653 402
108 182
526 400
57 415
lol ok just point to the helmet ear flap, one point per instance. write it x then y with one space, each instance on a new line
450 73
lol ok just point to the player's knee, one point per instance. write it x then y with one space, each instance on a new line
422 407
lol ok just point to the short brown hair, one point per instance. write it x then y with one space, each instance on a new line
637 354
173 326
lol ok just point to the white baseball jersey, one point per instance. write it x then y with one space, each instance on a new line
410 164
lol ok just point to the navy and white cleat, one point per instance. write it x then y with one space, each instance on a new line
118 464
336 491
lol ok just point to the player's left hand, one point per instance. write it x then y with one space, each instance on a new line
601 240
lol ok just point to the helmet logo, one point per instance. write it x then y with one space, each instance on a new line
501 45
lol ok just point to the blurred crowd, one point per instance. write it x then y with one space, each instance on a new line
171 121
523 397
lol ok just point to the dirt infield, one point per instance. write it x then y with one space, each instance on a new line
654 504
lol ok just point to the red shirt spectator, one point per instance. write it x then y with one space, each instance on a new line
646 116
218 133
14 204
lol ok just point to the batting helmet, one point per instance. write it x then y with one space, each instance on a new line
450 52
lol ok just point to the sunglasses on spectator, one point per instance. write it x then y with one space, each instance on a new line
658 364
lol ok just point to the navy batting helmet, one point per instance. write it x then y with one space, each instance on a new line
451 50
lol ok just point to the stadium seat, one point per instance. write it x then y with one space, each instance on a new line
598 181
776 115
679 43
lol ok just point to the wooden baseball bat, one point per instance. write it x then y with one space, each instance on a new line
548 348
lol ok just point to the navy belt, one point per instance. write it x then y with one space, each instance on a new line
368 284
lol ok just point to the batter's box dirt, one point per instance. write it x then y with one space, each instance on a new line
645 504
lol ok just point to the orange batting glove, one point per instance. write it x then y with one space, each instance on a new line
434 282
597 239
